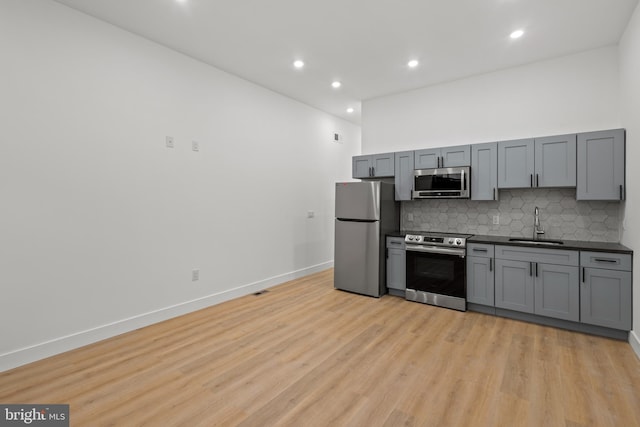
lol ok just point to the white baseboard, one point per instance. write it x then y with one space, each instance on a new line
634 340
59 345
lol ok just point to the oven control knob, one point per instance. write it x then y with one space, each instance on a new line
458 241
450 241
410 237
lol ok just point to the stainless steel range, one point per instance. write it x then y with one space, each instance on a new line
436 269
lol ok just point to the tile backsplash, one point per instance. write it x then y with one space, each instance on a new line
561 215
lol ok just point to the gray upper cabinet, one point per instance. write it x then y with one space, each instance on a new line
555 161
605 297
484 171
404 175
459 155
516 163
445 157
373 166
539 162
601 165
361 167
427 159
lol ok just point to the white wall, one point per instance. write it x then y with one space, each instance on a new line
568 94
101 224
630 96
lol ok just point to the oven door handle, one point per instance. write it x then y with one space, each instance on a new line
435 250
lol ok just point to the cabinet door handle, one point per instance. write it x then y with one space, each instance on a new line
583 274
531 180
536 269
530 269
494 193
373 171
537 181
621 198
613 261
490 264
479 250
386 253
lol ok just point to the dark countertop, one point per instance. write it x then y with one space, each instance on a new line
574 245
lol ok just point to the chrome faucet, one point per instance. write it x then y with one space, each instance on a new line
537 229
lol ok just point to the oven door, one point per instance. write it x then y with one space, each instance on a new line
441 273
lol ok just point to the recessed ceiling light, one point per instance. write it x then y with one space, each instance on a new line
349 110
298 63
181 1
336 84
517 34
413 63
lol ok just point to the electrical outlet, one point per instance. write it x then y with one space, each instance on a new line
195 146
169 142
195 275
496 220
337 138
311 214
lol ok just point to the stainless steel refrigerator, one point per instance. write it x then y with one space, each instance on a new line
365 213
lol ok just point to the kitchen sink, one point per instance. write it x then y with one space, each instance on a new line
538 242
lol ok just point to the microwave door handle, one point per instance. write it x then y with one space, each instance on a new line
464 181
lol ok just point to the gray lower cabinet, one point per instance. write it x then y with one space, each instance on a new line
373 166
404 175
396 264
605 297
484 171
601 165
557 293
444 157
480 274
539 281
514 285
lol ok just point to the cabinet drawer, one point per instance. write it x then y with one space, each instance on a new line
395 242
548 256
480 250
609 261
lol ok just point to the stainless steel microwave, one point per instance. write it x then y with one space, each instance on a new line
441 183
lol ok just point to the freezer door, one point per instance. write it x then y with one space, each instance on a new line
357 257
358 200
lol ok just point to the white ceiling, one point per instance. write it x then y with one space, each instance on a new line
365 44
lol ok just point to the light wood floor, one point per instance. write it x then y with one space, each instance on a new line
305 354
